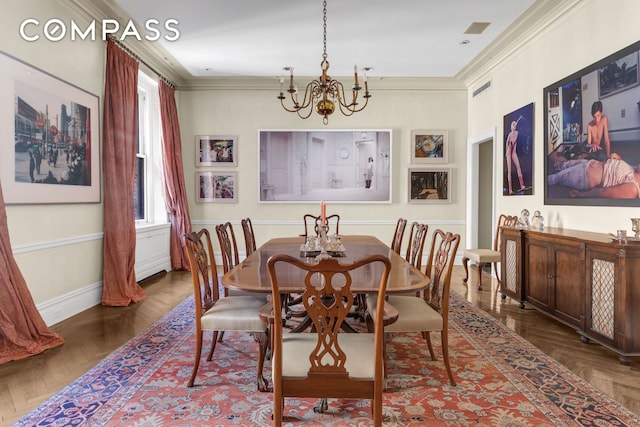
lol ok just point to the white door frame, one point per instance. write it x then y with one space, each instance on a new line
473 190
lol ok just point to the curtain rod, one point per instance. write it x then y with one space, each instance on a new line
137 58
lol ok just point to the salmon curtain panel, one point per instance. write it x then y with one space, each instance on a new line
175 191
120 135
23 333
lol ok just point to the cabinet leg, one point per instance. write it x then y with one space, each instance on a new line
522 305
584 339
624 360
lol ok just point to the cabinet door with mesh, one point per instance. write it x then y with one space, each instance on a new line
601 295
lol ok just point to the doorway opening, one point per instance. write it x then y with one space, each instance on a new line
481 198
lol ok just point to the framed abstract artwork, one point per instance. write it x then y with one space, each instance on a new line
50 138
429 146
428 185
216 150
216 187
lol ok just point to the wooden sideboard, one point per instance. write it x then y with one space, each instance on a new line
586 280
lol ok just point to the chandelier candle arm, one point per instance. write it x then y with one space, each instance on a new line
324 93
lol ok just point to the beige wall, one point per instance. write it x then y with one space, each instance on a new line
588 32
58 247
244 112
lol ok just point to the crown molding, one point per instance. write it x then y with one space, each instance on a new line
153 56
527 27
376 84
156 59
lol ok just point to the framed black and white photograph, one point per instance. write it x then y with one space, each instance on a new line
429 185
216 187
50 133
592 134
307 166
216 150
429 146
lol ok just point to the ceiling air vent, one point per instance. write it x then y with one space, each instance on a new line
482 88
477 27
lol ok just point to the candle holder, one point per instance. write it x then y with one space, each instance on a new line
635 226
322 237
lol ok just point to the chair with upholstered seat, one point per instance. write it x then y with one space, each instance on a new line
230 255
415 247
311 223
324 362
231 258
482 257
398 235
228 246
219 314
430 312
249 236
228 252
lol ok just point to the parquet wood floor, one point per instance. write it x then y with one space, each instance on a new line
94 333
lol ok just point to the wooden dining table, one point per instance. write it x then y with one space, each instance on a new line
251 274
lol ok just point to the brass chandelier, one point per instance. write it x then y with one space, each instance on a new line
324 92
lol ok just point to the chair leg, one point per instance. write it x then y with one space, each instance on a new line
465 260
384 359
495 268
427 337
445 355
263 343
376 408
196 361
278 408
479 267
213 346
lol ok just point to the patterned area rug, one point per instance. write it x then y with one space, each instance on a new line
502 381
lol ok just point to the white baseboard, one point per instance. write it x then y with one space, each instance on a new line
67 305
63 307
145 270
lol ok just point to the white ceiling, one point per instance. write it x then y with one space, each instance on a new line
397 38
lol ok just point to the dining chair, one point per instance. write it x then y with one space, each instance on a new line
398 234
231 258
312 222
322 361
415 247
228 248
482 257
249 236
430 312
216 313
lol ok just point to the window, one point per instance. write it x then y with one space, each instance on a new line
148 199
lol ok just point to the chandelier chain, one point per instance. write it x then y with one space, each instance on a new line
324 30
323 94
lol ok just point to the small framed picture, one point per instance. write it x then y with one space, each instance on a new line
429 146
216 150
218 187
430 185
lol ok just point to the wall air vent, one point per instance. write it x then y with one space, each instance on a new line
482 88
